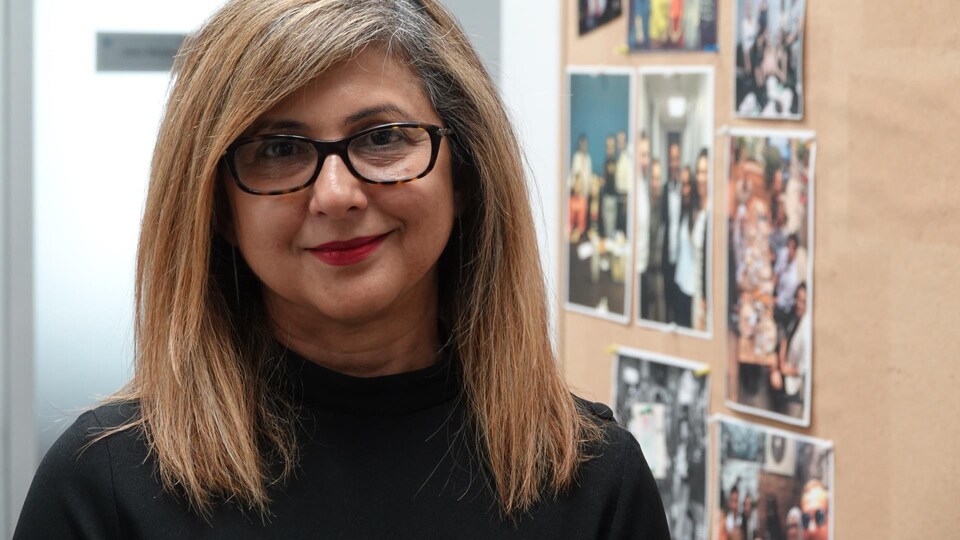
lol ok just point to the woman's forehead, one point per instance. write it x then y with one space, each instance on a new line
371 87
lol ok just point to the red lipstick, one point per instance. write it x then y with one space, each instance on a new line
347 252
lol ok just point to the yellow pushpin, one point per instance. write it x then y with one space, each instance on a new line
612 348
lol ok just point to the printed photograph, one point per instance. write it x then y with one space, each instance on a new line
596 13
663 402
773 484
673 215
598 246
770 273
769 59
672 25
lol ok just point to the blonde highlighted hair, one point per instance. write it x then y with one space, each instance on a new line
203 365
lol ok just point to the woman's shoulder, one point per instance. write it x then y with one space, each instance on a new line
617 447
87 449
73 489
93 431
616 476
101 429
616 455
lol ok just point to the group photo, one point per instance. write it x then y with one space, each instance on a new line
769 274
663 402
773 484
769 59
598 246
672 25
673 220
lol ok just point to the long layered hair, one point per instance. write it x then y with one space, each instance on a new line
204 353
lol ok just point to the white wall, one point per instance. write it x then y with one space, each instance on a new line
530 84
520 44
481 21
94 135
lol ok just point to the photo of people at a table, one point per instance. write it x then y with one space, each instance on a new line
770 273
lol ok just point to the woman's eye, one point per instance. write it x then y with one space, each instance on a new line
384 137
279 149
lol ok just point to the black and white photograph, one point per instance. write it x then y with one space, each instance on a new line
672 25
596 13
598 244
770 196
673 215
769 59
772 483
663 402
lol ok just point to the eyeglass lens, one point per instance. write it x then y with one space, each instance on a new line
819 516
389 154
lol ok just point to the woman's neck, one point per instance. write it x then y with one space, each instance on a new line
384 345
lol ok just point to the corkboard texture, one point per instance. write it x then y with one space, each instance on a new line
882 84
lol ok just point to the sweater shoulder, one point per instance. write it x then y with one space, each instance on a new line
83 442
616 474
597 410
73 493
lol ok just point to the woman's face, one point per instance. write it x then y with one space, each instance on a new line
702 177
801 303
342 250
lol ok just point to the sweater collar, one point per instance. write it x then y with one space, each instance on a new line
318 387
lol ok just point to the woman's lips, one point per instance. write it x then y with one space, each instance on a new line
347 252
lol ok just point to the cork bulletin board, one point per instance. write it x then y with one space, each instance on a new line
882 95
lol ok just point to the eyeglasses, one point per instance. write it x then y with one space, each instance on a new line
819 516
385 154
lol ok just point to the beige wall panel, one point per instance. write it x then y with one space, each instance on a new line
882 83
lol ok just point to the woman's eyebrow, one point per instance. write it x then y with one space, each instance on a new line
278 124
282 124
386 108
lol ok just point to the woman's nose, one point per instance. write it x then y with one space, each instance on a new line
336 191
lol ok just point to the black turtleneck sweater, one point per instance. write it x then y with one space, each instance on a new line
381 458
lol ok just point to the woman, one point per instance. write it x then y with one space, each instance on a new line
691 24
341 323
729 526
685 275
676 24
793 353
577 222
700 242
748 519
658 28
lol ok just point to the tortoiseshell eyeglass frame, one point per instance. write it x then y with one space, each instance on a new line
338 147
